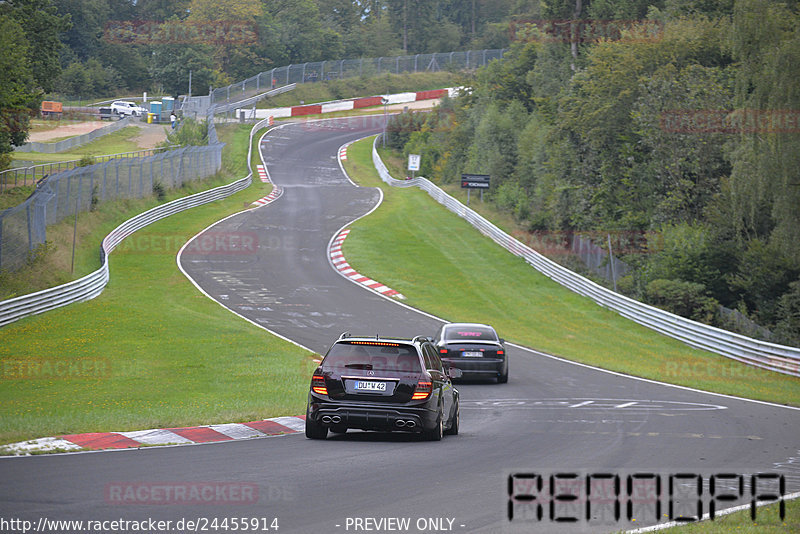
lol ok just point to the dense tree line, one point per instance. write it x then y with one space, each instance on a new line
81 49
29 65
284 32
678 136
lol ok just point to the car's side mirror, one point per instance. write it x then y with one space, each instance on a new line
454 372
502 341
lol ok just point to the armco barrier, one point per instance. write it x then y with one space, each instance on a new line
92 284
343 68
347 105
243 104
762 354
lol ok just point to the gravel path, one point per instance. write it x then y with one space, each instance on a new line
151 134
66 130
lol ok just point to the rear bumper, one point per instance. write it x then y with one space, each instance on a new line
475 367
371 417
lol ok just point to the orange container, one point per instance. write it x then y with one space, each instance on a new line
49 107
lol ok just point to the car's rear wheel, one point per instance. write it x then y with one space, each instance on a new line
435 433
502 379
453 430
315 431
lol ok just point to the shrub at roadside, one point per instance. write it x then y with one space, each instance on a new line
687 299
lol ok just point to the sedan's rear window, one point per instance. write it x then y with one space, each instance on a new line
394 357
466 333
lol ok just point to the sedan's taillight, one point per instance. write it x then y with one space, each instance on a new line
500 352
423 390
318 385
443 351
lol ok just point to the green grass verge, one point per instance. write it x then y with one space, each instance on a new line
312 93
446 267
123 140
768 521
52 265
152 351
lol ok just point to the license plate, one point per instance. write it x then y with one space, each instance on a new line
466 354
363 385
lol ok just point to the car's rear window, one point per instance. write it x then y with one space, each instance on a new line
469 333
390 357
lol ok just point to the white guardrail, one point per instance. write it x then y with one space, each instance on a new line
92 284
780 358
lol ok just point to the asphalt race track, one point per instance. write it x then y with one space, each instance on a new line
552 416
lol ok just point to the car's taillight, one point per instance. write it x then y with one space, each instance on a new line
443 351
318 385
501 352
423 390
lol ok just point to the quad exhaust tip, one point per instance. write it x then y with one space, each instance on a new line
407 424
331 419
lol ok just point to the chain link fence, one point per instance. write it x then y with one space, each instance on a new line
597 260
343 68
72 142
30 174
23 227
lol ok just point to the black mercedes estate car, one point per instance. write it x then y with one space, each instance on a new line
474 348
383 384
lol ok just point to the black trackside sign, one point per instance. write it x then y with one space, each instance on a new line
474 181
